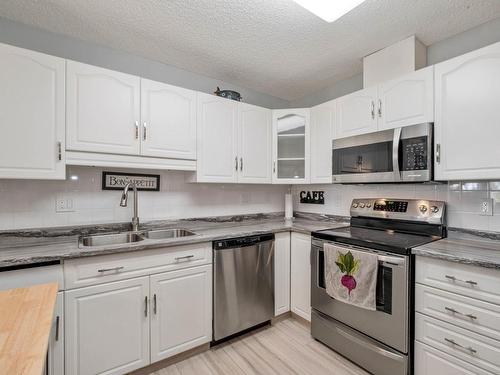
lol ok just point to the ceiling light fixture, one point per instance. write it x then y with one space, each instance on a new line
329 10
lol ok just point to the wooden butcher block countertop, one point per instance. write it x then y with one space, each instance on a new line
25 323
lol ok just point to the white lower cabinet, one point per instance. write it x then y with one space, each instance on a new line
281 273
181 316
456 318
300 268
55 352
430 361
107 328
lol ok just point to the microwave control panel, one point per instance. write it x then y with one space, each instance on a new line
415 154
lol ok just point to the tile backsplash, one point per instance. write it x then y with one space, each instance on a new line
463 200
32 203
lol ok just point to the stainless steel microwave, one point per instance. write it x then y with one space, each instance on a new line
394 155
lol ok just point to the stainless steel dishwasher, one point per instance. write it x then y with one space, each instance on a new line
243 276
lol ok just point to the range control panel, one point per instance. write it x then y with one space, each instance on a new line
399 209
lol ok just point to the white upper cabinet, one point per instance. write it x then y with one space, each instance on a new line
103 110
322 121
31 114
467 125
254 146
356 113
408 100
217 124
168 117
291 146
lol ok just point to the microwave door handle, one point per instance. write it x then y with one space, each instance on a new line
395 154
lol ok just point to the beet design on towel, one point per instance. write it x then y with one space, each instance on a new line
351 276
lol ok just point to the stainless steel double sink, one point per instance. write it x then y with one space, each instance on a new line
132 237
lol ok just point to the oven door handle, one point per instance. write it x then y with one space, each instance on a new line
395 154
370 346
391 260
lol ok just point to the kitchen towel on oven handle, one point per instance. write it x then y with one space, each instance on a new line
351 276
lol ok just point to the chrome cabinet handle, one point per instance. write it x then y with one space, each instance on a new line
184 257
454 343
111 269
154 303
379 108
236 163
274 166
59 151
453 278
57 328
373 110
146 306
438 153
241 164
137 130
145 134
452 310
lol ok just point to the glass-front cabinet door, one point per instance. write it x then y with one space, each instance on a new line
291 146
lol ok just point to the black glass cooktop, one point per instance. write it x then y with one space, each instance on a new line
379 239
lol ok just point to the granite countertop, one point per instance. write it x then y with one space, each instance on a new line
479 249
38 246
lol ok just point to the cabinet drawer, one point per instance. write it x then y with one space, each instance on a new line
476 282
430 361
105 268
469 346
478 316
33 275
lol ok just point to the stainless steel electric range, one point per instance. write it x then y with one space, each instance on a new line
379 341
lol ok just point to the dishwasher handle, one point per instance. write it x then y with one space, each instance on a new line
232 243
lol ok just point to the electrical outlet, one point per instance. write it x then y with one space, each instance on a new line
487 207
64 203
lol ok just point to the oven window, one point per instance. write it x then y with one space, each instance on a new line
384 284
371 158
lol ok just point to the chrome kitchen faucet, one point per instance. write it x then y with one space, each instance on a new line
123 203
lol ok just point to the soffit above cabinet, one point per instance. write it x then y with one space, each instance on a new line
206 37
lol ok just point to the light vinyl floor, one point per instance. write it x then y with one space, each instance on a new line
283 348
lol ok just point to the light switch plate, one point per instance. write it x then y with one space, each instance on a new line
486 208
65 203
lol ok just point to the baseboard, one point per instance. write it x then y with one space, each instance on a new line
301 320
171 361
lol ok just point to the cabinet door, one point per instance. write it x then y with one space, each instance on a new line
300 281
282 273
107 328
168 115
55 352
103 110
181 311
291 146
356 113
430 361
408 100
322 120
31 114
217 123
468 116
255 144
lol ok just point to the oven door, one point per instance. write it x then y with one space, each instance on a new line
389 323
367 158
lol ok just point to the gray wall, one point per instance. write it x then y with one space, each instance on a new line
456 45
21 35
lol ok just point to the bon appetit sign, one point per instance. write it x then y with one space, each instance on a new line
117 181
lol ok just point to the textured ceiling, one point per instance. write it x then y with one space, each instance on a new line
272 46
